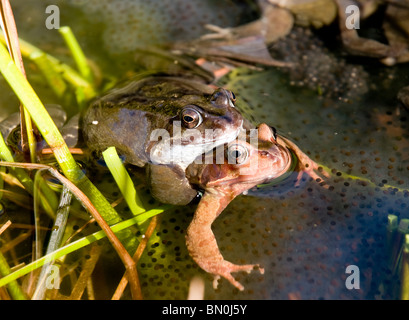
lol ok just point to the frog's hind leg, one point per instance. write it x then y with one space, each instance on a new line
202 244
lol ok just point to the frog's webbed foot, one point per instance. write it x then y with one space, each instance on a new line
310 167
226 268
203 248
305 164
202 245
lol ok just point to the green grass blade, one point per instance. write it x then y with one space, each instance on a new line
14 289
123 180
22 176
2 171
49 200
77 53
53 78
52 136
68 74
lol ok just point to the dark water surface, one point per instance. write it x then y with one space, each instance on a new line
305 237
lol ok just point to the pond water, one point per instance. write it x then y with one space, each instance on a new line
304 236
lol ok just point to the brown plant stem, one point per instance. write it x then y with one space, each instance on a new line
27 128
138 253
127 260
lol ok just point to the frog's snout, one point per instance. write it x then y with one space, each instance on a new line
266 133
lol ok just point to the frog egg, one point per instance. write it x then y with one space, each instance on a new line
317 68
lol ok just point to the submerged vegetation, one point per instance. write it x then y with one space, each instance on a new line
73 85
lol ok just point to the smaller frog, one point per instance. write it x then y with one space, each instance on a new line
244 166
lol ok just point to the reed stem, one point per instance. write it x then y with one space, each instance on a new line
123 180
14 288
77 53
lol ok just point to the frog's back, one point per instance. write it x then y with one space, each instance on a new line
143 92
126 116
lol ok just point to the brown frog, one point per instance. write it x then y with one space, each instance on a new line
244 166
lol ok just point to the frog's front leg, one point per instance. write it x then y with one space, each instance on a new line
202 244
168 184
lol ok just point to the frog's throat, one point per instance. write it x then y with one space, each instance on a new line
165 152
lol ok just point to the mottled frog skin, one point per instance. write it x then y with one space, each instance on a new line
162 121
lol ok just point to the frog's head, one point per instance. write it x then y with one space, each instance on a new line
216 112
245 164
201 125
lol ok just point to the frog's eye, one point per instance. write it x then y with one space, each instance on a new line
232 96
191 118
237 154
223 97
274 131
